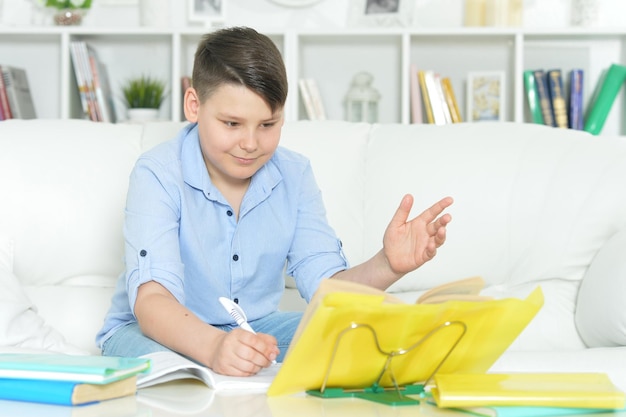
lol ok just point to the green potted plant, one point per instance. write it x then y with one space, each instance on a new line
68 12
143 97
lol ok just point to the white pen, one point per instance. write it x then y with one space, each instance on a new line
237 313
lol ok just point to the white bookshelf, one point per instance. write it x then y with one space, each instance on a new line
331 57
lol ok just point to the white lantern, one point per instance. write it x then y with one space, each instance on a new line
362 99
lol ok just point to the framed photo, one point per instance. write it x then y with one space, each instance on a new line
209 12
380 13
485 96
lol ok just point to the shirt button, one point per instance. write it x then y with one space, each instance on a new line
236 300
229 213
143 253
235 257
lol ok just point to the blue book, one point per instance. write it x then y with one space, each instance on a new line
64 392
75 368
557 97
576 99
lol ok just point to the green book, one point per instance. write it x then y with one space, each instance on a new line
534 104
604 96
76 368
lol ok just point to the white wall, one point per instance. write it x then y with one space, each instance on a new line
265 14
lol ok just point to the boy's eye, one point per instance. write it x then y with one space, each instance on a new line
231 124
270 124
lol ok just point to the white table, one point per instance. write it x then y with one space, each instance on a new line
193 399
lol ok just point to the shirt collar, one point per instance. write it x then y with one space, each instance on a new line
196 175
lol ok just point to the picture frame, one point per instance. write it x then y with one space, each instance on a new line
209 12
485 96
381 13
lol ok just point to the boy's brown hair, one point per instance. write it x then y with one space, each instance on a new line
240 56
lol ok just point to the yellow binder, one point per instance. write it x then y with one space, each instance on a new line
356 340
580 390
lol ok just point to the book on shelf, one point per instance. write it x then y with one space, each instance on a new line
435 98
316 99
541 81
5 110
416 96
451 101
447 115
589 390
416 339
93 83
532 97
437 95
90 369
604 95
81 80
18 92
101 86
421 76
306 99
64 392
575 116
557 97
169 366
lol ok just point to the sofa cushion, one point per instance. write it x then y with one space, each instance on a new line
64 188
20 325
600 313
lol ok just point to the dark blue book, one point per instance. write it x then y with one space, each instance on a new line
576 119
557 97
541 81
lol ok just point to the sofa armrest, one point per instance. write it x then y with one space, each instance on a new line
600 314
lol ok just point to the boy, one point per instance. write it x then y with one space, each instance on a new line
219 209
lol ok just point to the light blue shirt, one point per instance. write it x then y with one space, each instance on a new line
181 232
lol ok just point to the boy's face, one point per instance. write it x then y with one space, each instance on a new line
238 132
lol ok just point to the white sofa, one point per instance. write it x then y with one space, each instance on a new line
533 206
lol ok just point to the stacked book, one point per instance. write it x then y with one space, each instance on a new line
432 98
556 98
312 99
16 100
93 83
68 379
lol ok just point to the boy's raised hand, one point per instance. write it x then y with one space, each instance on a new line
407 245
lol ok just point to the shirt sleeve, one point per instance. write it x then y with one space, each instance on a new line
151 231
316 252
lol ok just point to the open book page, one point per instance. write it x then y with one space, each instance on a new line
169 366
467 289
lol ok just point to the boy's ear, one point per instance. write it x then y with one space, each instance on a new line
191 105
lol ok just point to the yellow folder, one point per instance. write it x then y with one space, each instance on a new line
580 390
347 339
